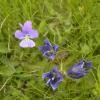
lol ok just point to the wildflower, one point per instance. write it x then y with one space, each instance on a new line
26 35
79 70
54 78
48 50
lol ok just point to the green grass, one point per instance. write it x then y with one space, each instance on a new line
72 24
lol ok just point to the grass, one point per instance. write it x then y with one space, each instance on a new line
72 24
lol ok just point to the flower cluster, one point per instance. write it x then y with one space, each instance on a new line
79 70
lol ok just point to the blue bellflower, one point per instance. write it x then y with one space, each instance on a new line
48 50
79 70
54 78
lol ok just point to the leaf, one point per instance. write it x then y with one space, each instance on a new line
96 9
85 49
97 37
4 48
42 27
6 70
96 91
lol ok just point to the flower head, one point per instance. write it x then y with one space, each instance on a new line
26 34
54 78
79 70
48 50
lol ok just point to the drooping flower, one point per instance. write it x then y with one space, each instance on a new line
48 50
26 34
54 78
79 70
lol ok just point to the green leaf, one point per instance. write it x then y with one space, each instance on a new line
96 9
97 37
42 27
4 48
85 49
6 70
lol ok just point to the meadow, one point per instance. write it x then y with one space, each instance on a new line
74 25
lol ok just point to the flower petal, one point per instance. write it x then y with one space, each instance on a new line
77 67
88 64
52 56
76 75
40 48
79 75
19 35
60 77
33 33
55 70
54 85
55 47
48 82
81 64
27 44
46 42
47 75
48 55
27 26
44 49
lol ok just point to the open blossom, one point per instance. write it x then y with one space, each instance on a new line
79 70
26 34
48 50
54 78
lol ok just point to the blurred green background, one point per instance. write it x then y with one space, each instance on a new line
72 24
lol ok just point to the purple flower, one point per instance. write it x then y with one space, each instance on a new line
48 50
79 70
54 78
26 35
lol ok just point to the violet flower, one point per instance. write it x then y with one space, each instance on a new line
26 34
54 78
48 50
79 70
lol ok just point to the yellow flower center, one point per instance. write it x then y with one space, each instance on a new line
26 37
